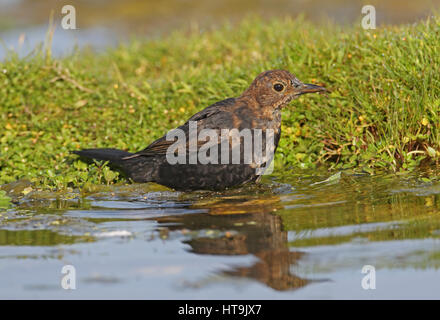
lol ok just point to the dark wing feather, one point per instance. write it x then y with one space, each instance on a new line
212 109
209 114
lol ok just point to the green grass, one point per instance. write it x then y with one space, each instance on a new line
383 112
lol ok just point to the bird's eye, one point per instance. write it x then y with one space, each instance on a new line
278 87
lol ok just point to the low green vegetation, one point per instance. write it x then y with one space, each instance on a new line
382 113
4 199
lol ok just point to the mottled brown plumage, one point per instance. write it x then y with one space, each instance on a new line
258 107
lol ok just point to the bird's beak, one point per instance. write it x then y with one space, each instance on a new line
309 88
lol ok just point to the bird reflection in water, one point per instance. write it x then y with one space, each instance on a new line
247 226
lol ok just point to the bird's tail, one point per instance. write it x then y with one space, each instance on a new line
113 155
139 169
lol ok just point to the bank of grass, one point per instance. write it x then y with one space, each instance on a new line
383 112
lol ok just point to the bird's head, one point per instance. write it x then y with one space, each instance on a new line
276 88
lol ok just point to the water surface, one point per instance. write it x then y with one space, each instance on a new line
298 235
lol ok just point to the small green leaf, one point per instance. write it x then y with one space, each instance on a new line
431 152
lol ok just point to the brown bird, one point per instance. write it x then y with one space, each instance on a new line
206 152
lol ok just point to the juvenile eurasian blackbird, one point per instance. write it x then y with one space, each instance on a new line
204 141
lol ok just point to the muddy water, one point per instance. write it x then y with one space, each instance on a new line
295 236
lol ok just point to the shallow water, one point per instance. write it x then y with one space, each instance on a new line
295 236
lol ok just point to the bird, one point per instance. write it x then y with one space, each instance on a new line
185 159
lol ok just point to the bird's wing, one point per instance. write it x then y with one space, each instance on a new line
209 118
213 109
